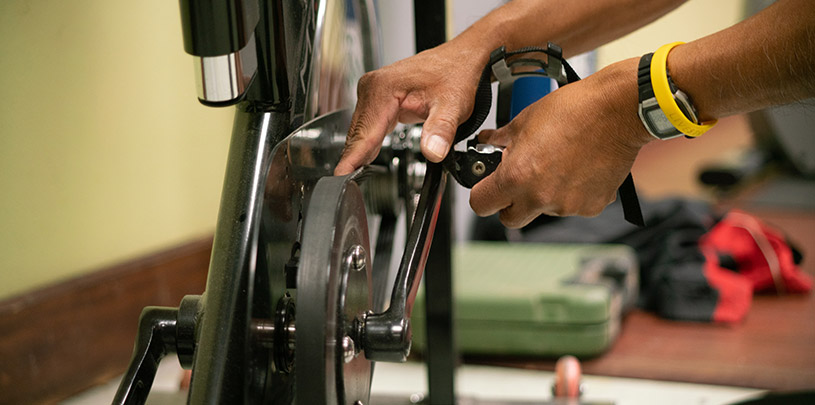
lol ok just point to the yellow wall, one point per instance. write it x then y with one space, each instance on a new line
692 20
105 153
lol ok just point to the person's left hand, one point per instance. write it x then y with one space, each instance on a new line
436 87
567 153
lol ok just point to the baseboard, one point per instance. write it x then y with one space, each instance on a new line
64 338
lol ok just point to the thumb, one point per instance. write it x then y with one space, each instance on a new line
439 130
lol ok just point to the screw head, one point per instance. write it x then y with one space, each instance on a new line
416 398
357 258
348 349
479 168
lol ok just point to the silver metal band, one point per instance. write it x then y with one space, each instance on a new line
224 78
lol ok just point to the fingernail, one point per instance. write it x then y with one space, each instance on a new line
437 146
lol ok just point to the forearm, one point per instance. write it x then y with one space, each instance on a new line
576 26
766 60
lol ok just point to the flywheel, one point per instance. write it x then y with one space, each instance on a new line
333 293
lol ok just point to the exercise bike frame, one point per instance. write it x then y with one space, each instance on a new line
210 333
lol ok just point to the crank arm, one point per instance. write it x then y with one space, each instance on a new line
386 336
162 331
156 338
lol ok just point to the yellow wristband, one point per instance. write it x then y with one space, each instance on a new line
664 96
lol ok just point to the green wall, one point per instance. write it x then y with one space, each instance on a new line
105 153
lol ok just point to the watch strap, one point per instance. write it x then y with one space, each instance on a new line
646 91
648 102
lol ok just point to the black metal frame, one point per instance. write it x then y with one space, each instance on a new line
441 356
212 332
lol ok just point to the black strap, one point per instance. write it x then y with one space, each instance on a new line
627 194
481 107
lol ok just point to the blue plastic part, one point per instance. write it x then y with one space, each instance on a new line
527 90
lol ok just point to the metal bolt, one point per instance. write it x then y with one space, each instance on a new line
263 332
348 349
290 332
479 168
357 258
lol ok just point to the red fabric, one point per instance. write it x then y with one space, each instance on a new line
735 291
765 263
761 252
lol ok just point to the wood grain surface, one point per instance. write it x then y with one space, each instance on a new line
57 341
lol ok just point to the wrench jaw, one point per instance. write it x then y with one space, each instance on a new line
472 166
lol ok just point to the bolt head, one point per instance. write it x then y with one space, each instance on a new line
479 168
358 258
348 349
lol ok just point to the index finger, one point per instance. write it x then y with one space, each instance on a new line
374 116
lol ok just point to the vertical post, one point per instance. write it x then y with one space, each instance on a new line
441 355
441 358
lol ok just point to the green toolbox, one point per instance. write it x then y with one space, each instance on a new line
525 299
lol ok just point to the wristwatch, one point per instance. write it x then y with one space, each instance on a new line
652 116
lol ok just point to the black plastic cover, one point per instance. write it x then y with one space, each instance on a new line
217 27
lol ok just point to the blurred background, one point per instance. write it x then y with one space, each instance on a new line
106 155
108 162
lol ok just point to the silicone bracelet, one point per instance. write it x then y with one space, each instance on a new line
664 96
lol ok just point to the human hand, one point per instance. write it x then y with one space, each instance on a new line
567 153
436 86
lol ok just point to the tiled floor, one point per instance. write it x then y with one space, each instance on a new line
479 383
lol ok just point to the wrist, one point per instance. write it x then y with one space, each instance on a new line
479 40
687 63
496 29
618 83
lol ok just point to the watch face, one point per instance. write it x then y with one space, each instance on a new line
659 122
655 120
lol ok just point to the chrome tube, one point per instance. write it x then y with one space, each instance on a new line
224 78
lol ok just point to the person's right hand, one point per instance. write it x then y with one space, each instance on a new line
567 153
436 86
